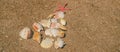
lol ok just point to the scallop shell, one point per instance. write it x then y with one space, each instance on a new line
59 43
36 36
37 27
63 21
26 33
59 14
54 32
47 43
45 23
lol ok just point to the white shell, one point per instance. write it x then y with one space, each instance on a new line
45 23
54 32
60 14
63 21
37 27
25 33
59 43
47 43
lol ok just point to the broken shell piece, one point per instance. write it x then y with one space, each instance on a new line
63 21
54 32
36 36
59 43
45 23
26 33
37 27
47 43
59 14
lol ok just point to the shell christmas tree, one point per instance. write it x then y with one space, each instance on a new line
53 26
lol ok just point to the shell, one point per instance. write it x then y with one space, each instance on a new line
26 33
63 21
47 43
45 23
59 14
59 43
37 36
54 32
37 27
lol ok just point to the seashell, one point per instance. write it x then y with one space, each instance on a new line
54 32
26 33
36 36
47 43
59 43
59 15
37 27
45 23
63 21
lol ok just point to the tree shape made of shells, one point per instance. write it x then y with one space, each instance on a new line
54 27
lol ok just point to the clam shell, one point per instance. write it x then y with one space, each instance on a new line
37 36
59 43
63 21
47 43
37 27
26 33
45 23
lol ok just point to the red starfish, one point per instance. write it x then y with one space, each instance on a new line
62 8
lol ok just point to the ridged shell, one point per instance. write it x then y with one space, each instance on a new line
59 43
47 43
26 33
